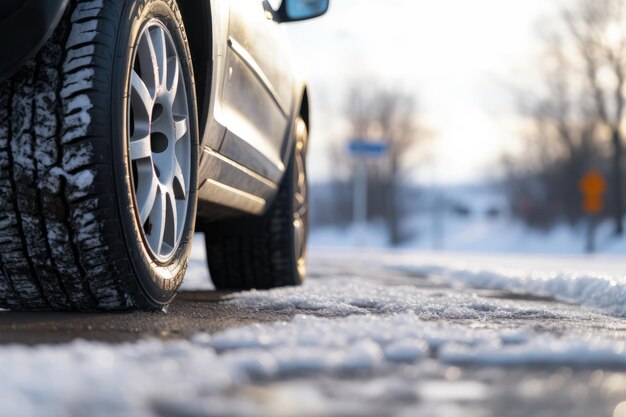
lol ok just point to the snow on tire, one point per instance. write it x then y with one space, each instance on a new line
69 237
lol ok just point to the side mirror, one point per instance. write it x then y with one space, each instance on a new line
296 10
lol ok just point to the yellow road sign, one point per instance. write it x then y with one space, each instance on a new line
593 186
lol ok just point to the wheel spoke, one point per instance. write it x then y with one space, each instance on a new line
302 212
140 148
173 69
300 199
172 219
301 170
146 193
159 49
181 126
141 98
299 233
158 222
148 63
178 183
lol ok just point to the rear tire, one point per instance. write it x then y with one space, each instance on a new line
268 251
70 238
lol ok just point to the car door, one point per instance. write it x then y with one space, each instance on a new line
258 88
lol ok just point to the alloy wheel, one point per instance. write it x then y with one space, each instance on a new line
300 211
159 140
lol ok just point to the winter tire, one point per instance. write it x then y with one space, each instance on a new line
98 162
268 251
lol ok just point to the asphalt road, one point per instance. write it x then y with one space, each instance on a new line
190 313
209 311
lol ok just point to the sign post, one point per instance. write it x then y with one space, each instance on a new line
362 150
593 187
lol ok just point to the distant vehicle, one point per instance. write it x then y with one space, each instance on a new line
461 210
125 126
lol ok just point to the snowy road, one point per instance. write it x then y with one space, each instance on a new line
370 334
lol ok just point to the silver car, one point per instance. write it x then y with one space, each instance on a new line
126 126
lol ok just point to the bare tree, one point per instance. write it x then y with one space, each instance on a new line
562 142
578 113
597 29
388 115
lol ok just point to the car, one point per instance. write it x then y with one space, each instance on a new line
128 125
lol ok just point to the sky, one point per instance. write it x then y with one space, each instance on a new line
456 56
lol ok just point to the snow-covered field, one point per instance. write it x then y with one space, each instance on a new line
478 235
376 334
476 231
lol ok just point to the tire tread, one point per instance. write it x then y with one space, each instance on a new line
59 228
255 252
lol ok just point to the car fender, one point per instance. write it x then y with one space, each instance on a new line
29 28
300 107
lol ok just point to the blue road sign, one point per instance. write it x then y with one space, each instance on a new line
367 147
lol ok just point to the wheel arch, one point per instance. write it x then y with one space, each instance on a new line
300 109
304 111
198 20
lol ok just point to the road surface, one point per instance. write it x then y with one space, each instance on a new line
371 334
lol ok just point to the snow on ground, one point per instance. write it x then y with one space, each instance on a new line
191 378
597 282
203 376
474 234
485 227
197 277
376 338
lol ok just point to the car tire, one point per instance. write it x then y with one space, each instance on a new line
71 231
268 251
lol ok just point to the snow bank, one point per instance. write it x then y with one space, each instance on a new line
600 292
601 288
